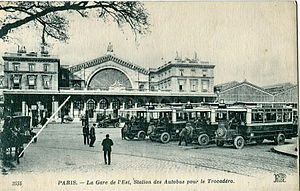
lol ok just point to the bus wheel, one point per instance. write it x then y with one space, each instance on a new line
280 139
220 143
165 137
116 124
141 135
239 142
203 139
130 136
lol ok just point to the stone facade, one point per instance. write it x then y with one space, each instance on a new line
30 71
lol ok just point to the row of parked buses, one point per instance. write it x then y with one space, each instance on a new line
223 124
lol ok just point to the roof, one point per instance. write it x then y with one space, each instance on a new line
226 85
106 58
247 84
277 88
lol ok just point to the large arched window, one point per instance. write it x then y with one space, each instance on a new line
103 104
106 78
91 104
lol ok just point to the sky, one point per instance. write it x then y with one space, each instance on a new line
255 41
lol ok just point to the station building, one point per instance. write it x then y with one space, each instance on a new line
35 84
246 92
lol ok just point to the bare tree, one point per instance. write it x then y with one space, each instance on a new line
51 17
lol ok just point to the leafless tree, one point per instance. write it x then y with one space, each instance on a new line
52 20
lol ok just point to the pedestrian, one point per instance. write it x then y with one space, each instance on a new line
85 132
107 143
183 135
92 135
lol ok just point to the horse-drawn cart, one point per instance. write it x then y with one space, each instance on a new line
16 132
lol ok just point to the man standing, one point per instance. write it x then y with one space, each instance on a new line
85 132
92 135
107 143
184 133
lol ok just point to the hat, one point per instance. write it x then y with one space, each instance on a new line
94 124
188 124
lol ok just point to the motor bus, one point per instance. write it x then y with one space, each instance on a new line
241 125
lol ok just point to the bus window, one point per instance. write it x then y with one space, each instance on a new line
221 116
287 115
257 116
180 116
270 115
279 115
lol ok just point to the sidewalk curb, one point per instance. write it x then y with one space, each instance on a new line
275 149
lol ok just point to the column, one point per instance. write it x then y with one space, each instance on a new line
71 114
123 105
111 105
30 114
135 105
23 108
55 108
26 110
84 108
213 116
148 116
173 116
248 116
38 110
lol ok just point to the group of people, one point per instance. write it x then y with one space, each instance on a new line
89 137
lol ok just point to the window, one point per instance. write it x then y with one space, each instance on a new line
46 82
180 88
204 73
129 104
16 82
194 84
181 72
46 67
152 78
31 67
257 116
141 87
181 84
103 104
16 67
31 82
91 104
152 88
116 104
78 105
204 85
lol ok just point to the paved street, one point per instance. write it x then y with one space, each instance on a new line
60 149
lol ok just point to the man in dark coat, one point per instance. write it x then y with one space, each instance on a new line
107 143
85 132
92 135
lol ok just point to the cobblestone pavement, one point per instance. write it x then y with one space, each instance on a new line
60 149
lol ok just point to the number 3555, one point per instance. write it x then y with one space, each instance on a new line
17 183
